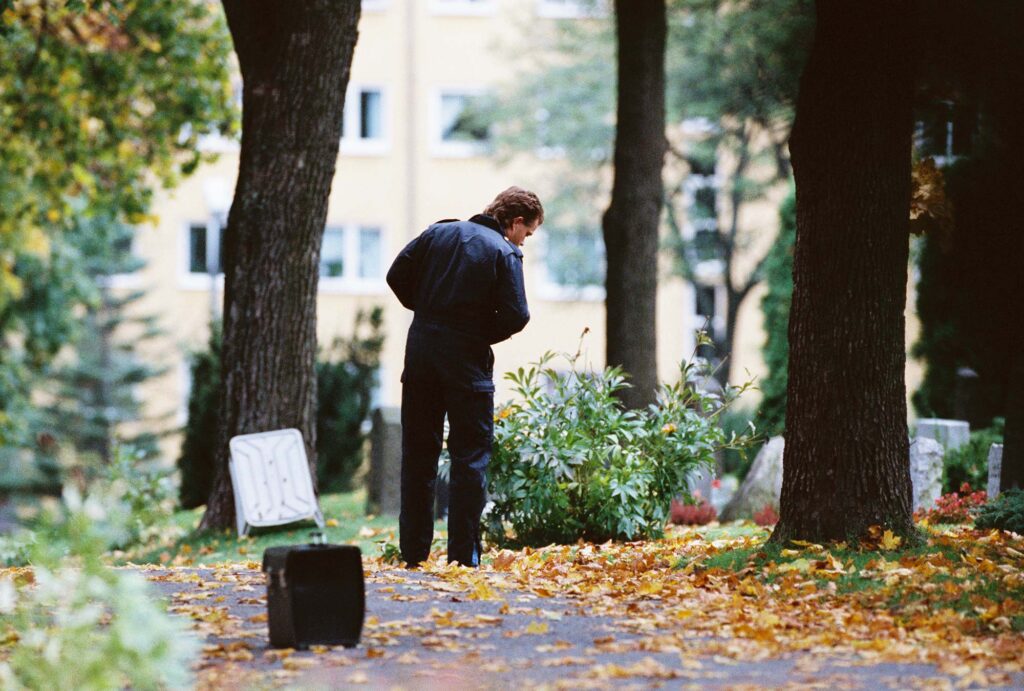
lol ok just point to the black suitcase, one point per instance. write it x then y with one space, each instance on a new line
315 595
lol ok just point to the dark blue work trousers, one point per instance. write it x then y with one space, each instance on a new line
427 396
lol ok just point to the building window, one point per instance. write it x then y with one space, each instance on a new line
460 127
204 248
332 253
459 122
369 253
364 126
574 264
705 311
463 7
351 258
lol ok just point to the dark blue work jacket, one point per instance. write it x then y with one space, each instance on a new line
464 282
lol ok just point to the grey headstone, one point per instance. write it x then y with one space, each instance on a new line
700 483
384 479
926 472
952 434
995 469
762 486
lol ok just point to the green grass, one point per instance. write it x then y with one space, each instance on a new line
347 524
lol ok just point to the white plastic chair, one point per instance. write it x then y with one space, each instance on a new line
271 480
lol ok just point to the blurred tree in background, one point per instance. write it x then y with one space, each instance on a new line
99 103
731 78
95 392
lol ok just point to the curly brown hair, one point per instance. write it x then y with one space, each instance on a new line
514 202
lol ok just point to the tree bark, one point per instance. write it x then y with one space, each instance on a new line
631 221
295 59
847 459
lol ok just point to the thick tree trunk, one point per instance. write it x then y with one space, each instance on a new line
846 465
1006 112
295 60
631 221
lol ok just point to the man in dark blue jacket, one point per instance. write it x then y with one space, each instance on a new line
464 282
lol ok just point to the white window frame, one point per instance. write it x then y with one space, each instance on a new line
349 282
438 146
351 143
193 280
464 8
572 9
551 290
375 5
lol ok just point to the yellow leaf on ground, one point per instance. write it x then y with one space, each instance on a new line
890 541
537 627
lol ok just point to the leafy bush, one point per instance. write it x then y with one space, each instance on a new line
700 513
569 462
197 460
969 463
148 493
345 384
73 623
736 461
955 507
1005 512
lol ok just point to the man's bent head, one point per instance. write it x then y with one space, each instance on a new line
518 211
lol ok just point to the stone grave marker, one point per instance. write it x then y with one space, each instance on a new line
926 472
952 434
995 469
762 486
384 479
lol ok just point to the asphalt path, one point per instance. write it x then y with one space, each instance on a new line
420 632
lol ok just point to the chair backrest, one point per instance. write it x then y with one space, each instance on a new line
271 479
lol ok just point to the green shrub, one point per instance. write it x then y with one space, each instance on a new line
197 460
736 421
78 624
969 463
345 382
1005 512
569 462
147 492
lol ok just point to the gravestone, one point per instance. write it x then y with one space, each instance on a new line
762 486
721 495
995 469
699 482
926 472
952 434
384 479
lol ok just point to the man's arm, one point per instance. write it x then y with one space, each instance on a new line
404 274
511 312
